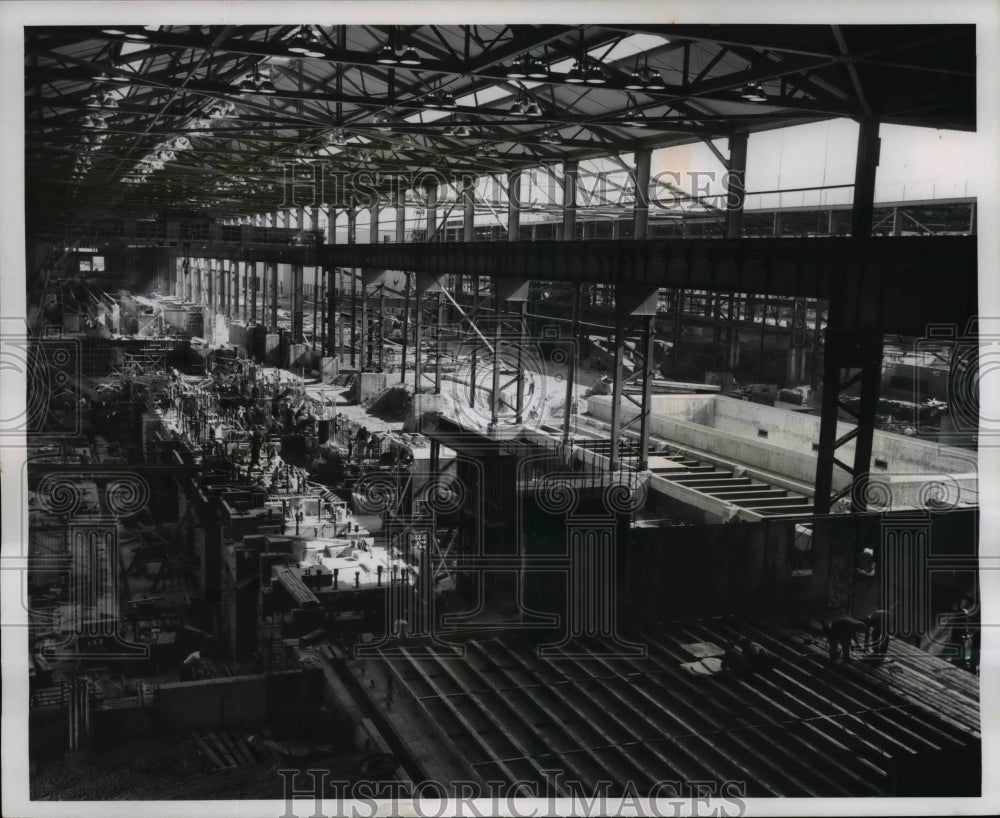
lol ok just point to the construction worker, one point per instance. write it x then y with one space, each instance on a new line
758 658
840 633
877 632
735 663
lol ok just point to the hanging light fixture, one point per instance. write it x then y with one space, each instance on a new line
262 76
575 76
635 81
517 70
136 35
633 116
594 75
248 86
410 56
382 121
533 109
752 92
306 44
536 69
386 55
518 108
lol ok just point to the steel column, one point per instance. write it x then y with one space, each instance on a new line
406 326
430 230
298 305
865 168
400 214
571 178
858 349
273 298
352 223
616 391
247 266
641 215
861 351
316 296
469 208
417 338
333 336
474 366
736 185
513 205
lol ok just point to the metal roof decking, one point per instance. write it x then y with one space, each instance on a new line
804 728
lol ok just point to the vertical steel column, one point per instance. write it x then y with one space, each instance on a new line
400 239
246 291
438 350
298 304
495 386
430 231
252 274
513 205
352 223
863 210
321 298
265 297
571 171
406 325
859 349
380 339
736 188
641 214
400 213
366 330
234 289
616 392
375 213
274 296
475 350
522 319
647 390
468 208
571 174
735 199
335 332
418 318
263 294
315 332
572 362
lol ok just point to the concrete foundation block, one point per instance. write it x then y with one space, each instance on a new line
272 349
371 383
329 369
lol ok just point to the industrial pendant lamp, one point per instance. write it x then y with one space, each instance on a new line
752 92
306 44
633 116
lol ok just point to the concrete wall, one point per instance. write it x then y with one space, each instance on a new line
729 430
211 703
